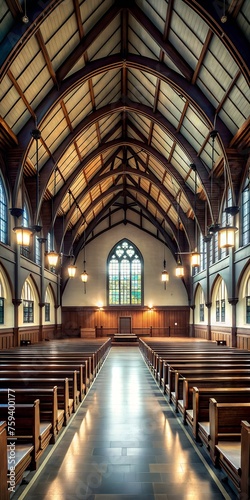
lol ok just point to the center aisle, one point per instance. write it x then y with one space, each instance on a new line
125 442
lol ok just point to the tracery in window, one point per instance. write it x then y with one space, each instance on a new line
1 303
28 303
245 214
248 301
202 302
221 303
124 275
25 251
3 213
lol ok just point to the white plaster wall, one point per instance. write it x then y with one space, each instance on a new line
96 266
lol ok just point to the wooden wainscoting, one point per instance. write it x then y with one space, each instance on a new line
6 339
158 321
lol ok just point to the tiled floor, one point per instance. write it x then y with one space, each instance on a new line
125 442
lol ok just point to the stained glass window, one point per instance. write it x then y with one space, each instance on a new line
125 275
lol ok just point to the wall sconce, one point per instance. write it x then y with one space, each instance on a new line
226 236
227 233
195 259
23 235
52 258
164 275
179 270
71 271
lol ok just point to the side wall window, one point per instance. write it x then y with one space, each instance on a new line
3 214
28 303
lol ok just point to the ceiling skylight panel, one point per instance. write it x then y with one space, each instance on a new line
156 168
56 20
222 61
92 168
139 89
107 124
192 20
160 145
78 185
212 90
145 185
92 12
155 11
141 41
243 19
86 139
154 192
79 94
140 125
62 50
239 98
68 162
179 164
163 136
230 124
108 93
107 42
7 20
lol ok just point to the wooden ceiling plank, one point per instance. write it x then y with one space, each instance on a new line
20 92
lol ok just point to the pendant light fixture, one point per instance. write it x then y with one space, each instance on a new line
164 274
179 270
84 275
71 268
23 233
52 255
195 256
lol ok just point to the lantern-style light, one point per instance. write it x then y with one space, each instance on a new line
71 271
52 258
226 236
195 259
23 235
179 270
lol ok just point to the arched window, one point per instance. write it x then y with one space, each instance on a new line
3 213
1 302
47 306
220 303
28 303
248 301
124 275
245 214
202 305
25 251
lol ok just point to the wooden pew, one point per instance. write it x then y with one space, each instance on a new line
49 411
208 382
199 412
28 427
26 436
4 493
225 423
29 375
175 388
76 385
37 360
203 363
44 383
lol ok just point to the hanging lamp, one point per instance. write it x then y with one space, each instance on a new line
179 270
195 255
84 275
164 274
52 255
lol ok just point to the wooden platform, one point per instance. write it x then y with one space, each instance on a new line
124 337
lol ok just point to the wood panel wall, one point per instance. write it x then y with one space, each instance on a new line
160 321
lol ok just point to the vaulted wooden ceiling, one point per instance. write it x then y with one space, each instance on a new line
125 95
